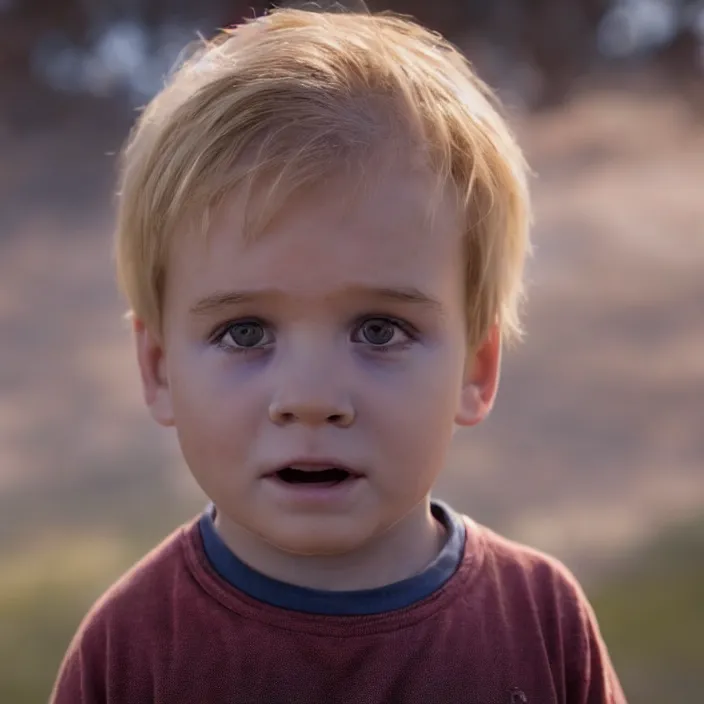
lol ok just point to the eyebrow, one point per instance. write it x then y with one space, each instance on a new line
225 299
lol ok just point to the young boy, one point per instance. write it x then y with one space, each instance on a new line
322 227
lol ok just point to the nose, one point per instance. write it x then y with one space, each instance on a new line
314 402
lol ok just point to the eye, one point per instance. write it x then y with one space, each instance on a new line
381 332
244 335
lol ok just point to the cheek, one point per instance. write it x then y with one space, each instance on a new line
213 412
417 405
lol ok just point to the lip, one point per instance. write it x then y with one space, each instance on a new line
315 497
313 464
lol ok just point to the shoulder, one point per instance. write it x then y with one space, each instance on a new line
125 624
539 590
532 597
122 628
520 568
147 586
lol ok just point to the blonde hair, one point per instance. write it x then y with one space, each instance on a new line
285 99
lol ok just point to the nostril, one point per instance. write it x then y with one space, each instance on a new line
518 697
309 414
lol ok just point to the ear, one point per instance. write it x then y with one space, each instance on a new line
152 367
481 380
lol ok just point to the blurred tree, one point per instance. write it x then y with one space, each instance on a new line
90 45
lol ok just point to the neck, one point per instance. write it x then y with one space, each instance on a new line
400 552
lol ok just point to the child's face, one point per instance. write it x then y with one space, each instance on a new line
337 338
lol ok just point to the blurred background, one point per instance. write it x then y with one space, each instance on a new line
595 450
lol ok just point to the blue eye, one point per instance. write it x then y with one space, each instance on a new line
377 331
382 334
244 335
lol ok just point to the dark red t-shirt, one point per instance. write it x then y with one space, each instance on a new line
510 626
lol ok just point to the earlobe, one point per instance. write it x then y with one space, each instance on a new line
152 368
481 381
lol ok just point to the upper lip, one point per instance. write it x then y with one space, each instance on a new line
313 464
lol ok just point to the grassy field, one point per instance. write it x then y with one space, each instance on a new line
46 588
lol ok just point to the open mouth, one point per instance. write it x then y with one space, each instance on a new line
329 476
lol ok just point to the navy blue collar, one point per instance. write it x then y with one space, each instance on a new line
346 603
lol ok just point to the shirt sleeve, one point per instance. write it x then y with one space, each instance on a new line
590 677
81 676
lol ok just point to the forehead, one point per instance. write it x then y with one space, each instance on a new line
395 229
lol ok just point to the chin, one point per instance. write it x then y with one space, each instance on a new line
315 540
